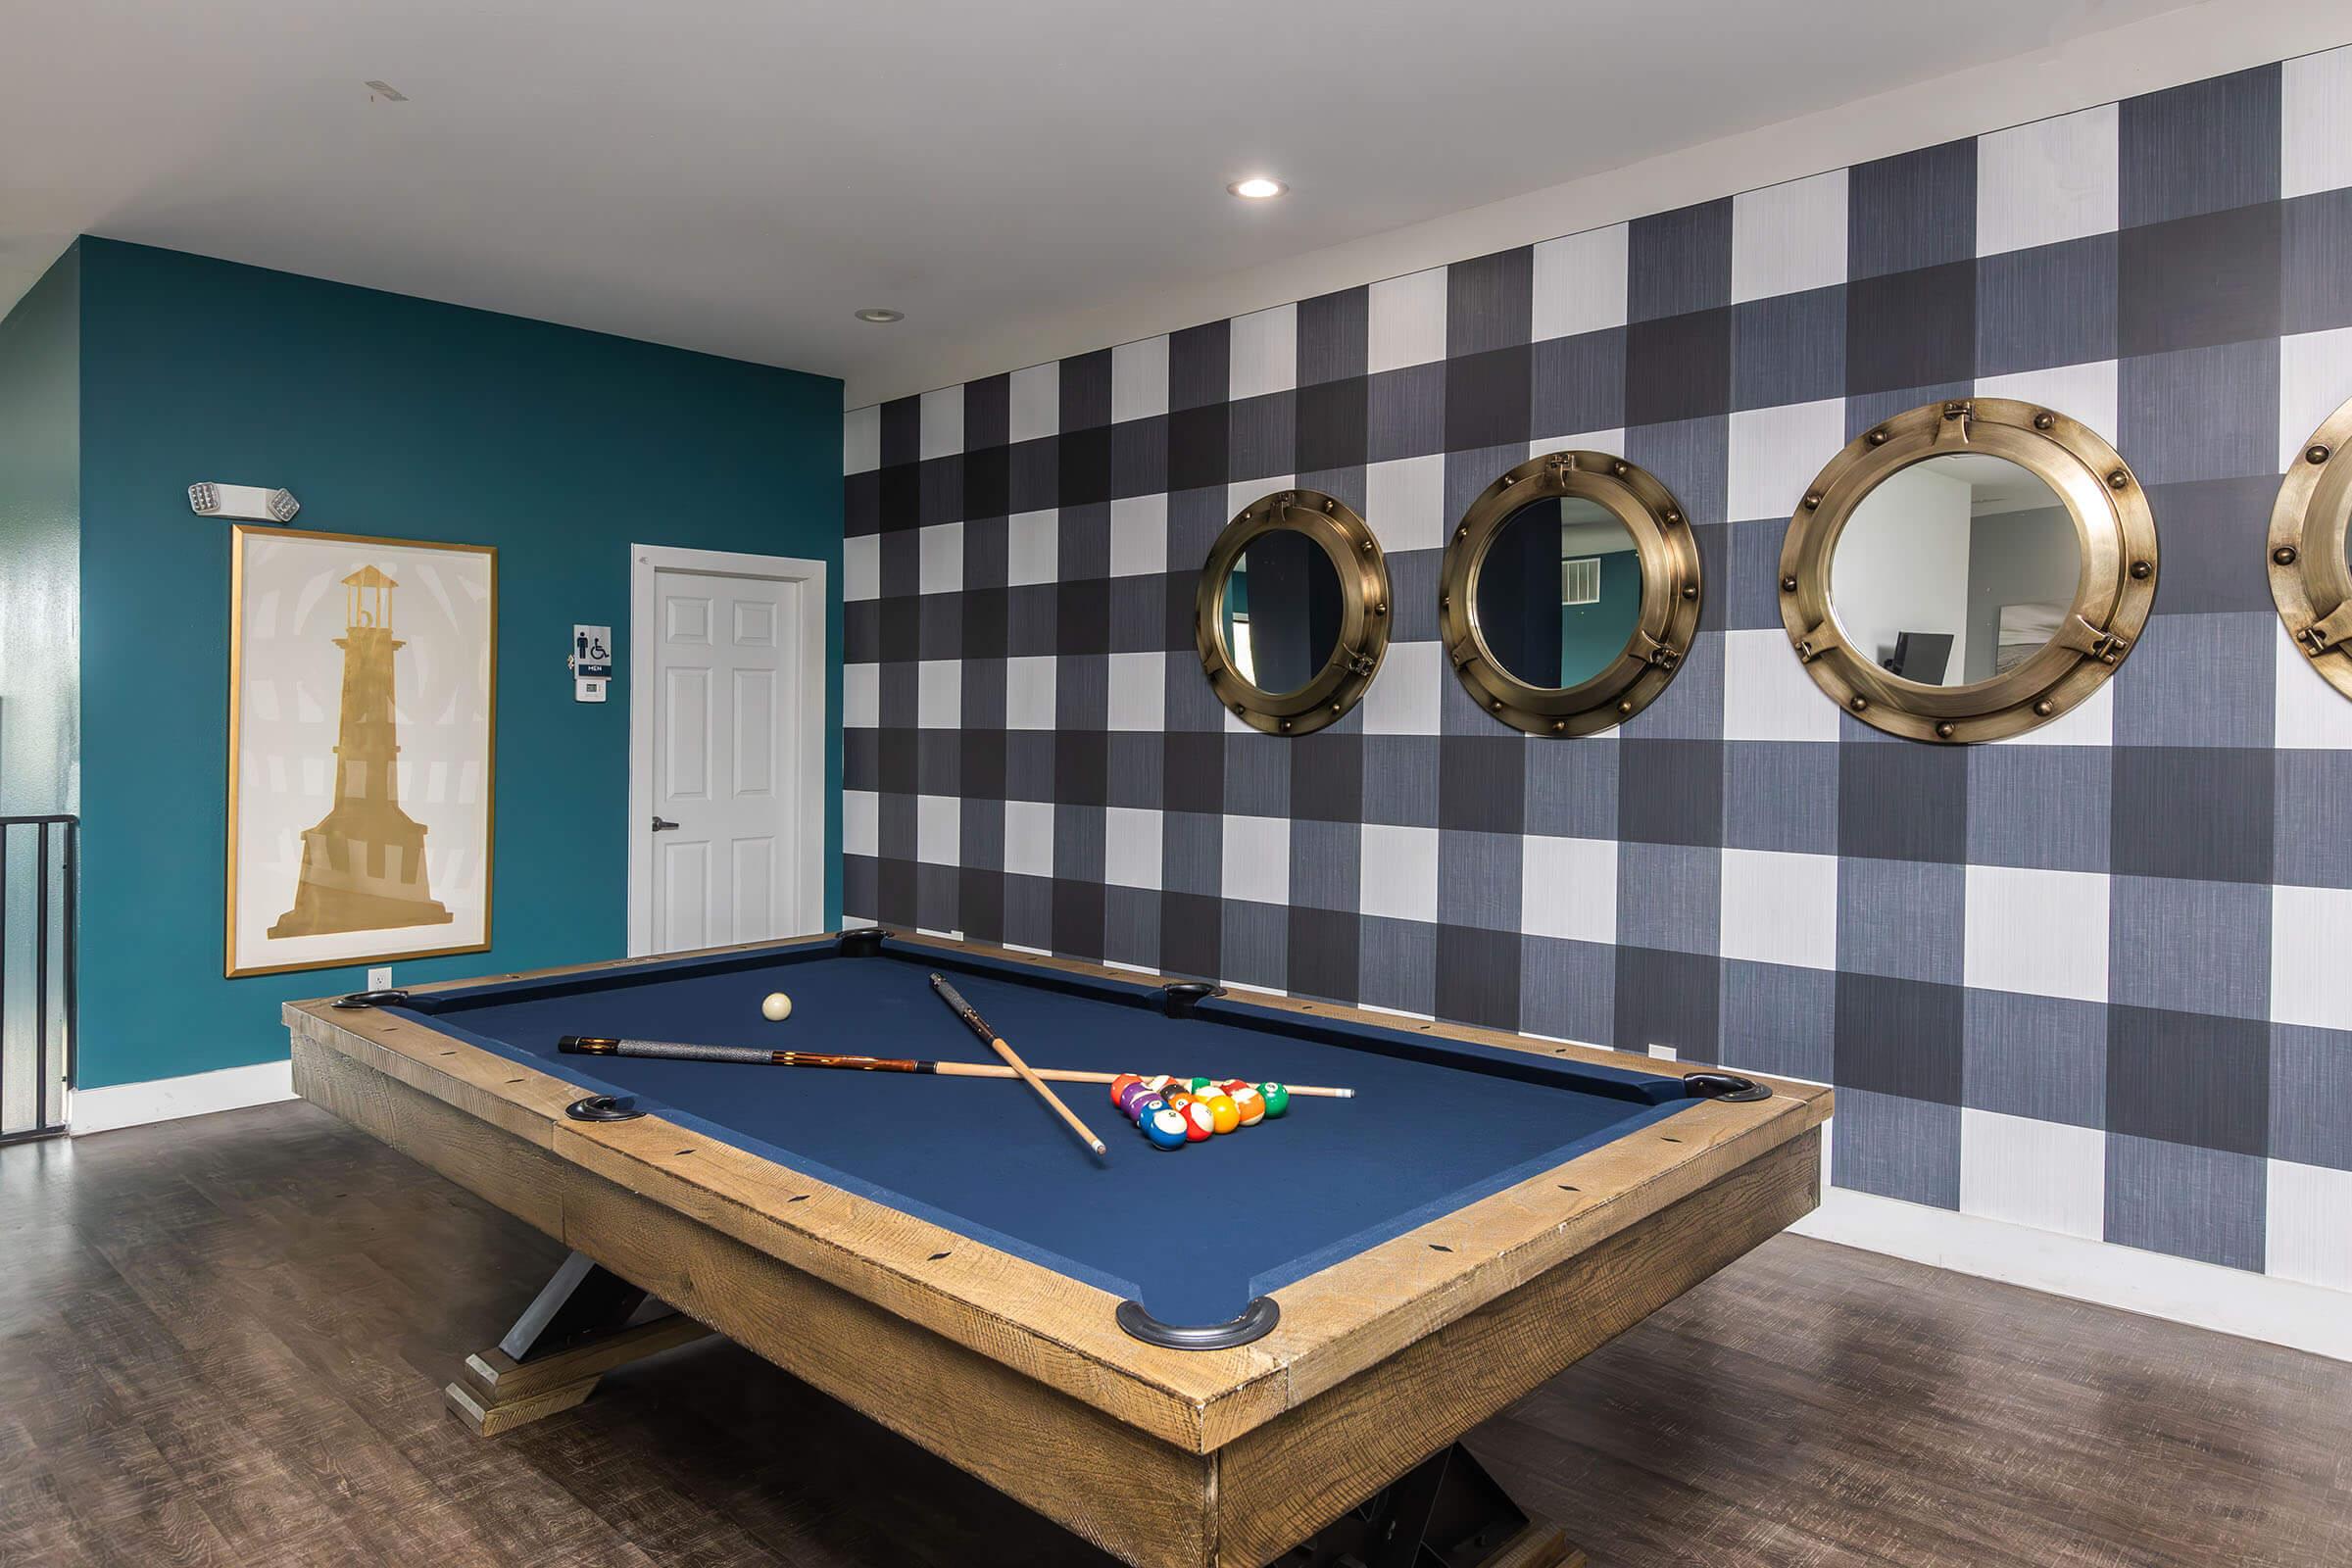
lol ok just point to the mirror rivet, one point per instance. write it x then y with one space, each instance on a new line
2044 709
1857 702
1812 499
2118 479
1494 704
2315 452
1943 731
1788 585
1621 468
2044 421
1286 726
1464 533
1877 438
1380 609
1672 515
2285 555
1365 547
1689 590
1559 726
2140 570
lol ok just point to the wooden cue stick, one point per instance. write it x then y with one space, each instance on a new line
996 1042
679 1051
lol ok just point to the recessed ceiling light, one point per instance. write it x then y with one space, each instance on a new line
880 316
1257 188
387 92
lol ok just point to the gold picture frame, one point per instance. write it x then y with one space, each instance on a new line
2311 579
2115 536
1663 631
332 772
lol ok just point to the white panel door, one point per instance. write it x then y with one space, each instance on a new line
727 688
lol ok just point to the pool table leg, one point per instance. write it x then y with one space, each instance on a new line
1445 1512
575 1330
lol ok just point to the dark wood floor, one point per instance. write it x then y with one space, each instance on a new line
224 1341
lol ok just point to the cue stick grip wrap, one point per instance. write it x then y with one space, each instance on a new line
662 1049
963 1009
747 1056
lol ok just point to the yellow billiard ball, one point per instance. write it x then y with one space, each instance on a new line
777 1007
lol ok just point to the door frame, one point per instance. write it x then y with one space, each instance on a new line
646 564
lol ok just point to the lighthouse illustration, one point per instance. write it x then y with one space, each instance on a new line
363 865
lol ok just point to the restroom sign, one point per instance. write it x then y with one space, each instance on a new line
591 662
592 651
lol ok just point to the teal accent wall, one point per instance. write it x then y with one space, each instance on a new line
387 416
1594 636
40 563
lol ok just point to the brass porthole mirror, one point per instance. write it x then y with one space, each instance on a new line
1969 569
2310 551
1570 593
1292 617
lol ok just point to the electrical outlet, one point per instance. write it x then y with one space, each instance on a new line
380 979
1663 1052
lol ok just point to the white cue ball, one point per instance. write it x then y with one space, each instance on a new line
777 1007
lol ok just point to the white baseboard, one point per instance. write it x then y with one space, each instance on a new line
2254 1306
104 1110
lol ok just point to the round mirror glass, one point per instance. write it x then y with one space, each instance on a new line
1559 592
1955 569
1281 611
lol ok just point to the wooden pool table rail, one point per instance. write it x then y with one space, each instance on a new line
1017 1372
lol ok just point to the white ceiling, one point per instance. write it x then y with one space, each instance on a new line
740 176
1994 484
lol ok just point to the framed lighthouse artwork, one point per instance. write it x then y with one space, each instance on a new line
362 682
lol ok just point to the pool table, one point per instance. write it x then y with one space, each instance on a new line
1259 1345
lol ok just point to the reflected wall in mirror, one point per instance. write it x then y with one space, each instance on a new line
1968 569
2310 551
1559 592
1955 569
1569 594
1282 611
1292 616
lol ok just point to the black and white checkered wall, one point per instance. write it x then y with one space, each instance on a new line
2096 980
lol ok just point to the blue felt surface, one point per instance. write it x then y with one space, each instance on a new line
1192 1234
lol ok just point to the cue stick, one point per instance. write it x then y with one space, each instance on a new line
996 1042
750 1056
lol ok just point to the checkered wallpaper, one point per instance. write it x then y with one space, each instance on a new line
2096 980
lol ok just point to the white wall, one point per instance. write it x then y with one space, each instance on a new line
1902 565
